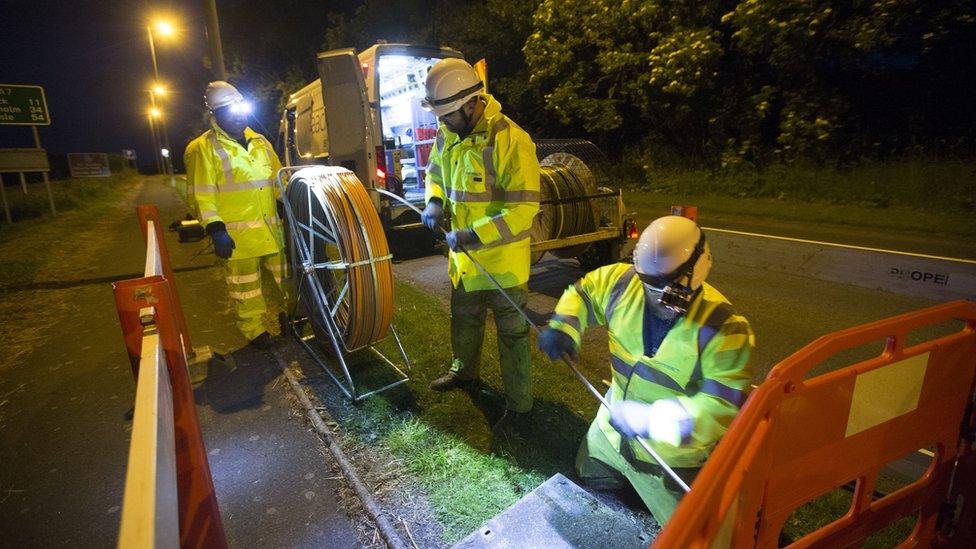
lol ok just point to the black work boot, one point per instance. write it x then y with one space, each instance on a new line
450 380
263 341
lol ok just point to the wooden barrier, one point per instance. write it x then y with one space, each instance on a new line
796 439
169 495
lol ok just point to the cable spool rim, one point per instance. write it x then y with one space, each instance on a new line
363 313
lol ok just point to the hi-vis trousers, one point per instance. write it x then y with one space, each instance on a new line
244 285
468 314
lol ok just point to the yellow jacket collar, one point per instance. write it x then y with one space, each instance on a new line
249 134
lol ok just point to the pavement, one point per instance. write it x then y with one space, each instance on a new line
65 410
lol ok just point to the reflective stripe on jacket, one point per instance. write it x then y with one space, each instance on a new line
489 182
236 186
703 360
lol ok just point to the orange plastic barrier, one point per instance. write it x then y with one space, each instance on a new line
796 439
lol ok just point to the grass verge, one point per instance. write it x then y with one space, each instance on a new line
907 196
48 248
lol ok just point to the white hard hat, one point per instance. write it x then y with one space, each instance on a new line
665 249
220 94
451 83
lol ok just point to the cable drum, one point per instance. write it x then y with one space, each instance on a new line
564 179
339 237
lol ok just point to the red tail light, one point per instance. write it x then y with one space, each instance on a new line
632 231
381 164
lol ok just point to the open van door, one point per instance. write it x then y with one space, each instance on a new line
348 121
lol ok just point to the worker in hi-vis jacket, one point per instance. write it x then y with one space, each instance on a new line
231 170
679 361
483 171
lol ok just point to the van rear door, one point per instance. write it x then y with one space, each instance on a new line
348 122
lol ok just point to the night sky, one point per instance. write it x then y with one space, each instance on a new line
92 58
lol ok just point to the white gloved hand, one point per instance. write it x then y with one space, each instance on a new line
664 421
670 423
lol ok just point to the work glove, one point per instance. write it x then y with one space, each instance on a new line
663 420
222 242
556 344
465 238
432 215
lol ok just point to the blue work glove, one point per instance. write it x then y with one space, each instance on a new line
222 242
663 420
462 238
556 344
432 215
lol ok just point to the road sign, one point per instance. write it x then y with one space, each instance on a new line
88 165
23 106
23 160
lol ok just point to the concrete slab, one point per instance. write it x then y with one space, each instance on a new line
558 514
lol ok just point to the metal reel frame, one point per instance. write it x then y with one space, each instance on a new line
317 309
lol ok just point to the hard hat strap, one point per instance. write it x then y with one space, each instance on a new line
455 97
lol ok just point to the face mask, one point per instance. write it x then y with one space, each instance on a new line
653 296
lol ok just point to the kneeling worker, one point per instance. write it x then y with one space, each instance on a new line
679 356
232 171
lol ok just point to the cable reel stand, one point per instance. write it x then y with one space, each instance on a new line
342 269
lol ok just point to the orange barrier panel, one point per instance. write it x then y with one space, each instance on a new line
147 212
796 439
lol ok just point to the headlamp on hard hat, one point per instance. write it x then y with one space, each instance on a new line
675 288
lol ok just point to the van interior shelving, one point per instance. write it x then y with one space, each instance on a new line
408 130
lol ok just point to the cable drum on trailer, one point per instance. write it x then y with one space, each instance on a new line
343 236
564 180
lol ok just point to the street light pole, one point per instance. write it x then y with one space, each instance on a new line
152 130
213 36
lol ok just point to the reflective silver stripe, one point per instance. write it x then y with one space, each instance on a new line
503 231
440 141
468 196
517 238
205 187
495 195
434 169
644 372
276 267
246 185
618 290
245 295
207 214
224 158
591 315
567 319
503 195
238 225
487 153
734 397
244 279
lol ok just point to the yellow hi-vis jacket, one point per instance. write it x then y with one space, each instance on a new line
703 360
236 186
489 182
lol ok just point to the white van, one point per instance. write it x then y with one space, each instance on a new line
375 126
